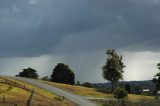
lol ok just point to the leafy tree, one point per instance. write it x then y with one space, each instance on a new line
156 78
46 78
128 88
137 89
120 93
87 84
63 74
28 73
113 69
78 83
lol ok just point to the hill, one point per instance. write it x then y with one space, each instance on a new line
51 98
93 92
146 84
79 90
18 95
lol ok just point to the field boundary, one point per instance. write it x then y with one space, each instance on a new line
24 87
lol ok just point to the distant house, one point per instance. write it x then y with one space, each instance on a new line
146 90
158 93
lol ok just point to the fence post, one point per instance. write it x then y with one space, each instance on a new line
63 98
4 99
29 101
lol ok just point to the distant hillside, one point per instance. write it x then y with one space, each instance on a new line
147 84
91 92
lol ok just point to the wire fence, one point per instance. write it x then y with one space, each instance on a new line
35 100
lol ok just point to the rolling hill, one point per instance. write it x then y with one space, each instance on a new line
10 94
46 98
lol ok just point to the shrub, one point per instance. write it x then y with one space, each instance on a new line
120 93
63 74
46 78
87 84
106 104
28 73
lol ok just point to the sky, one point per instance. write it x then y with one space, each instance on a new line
42 33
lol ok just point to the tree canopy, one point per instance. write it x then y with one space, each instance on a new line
120 93
128 88
156 78
87 84
113 68
28 73
63 74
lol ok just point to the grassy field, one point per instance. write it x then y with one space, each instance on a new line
20 96
13 94
133 97
79 90
91 92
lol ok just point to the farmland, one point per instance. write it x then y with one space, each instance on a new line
10 94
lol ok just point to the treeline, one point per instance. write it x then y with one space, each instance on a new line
113 73
60 74
112 70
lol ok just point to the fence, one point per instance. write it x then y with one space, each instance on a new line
17 103
4 102
30 100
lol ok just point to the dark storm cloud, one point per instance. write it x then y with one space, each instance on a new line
37 27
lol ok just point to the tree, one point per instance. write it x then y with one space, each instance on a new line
28 73
78 83
137 89
63 74
113 69
46 78
156 79
120 93
87 84
128 88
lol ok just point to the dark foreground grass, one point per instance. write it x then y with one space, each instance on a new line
129 103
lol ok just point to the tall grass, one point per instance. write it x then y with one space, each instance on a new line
129 103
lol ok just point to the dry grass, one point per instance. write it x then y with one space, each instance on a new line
79 90
133 97
15 93
132 100
20 96
37 89
91 92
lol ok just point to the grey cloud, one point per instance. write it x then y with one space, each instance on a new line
44 26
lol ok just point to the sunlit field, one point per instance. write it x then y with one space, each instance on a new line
92 92
20 96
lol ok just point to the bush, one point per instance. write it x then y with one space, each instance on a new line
28 73
63 74
46 78
120 93
106 104
87 84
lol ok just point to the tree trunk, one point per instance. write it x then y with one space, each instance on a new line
112 83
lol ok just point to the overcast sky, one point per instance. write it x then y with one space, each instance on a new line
42 33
